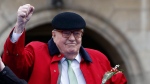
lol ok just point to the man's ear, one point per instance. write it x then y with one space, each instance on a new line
53 34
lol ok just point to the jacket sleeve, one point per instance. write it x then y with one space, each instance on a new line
8 77
119 78
18 57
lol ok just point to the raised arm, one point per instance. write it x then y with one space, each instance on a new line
24 14
15 55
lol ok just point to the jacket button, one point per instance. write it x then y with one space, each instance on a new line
59 55
16 54
4 72
7 52
54 70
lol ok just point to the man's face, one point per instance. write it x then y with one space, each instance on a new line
68 42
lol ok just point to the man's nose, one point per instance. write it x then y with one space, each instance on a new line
72 37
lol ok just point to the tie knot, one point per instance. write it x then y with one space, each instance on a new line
69 62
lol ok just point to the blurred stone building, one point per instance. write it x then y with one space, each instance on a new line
118 28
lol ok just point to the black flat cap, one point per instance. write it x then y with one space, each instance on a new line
68 21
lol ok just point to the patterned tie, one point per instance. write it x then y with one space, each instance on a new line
71 74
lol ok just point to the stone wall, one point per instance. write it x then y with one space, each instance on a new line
127 21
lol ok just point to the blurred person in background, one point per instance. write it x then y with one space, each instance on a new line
7 76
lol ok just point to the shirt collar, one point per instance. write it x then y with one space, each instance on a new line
78 58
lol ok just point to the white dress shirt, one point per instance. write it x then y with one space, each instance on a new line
15 37
75 64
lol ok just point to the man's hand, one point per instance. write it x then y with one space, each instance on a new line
24 14
1 65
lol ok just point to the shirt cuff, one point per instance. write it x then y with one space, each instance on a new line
15 37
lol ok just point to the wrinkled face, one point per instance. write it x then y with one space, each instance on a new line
68 42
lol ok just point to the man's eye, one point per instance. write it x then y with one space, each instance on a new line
76 33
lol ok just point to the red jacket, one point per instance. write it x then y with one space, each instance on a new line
37 63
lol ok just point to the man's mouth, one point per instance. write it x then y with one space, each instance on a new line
71 44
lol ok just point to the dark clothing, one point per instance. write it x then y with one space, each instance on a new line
8 77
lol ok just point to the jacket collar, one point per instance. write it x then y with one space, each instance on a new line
53 50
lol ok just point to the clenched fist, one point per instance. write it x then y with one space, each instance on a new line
23 16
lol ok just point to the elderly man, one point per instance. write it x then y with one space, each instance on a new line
62 60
